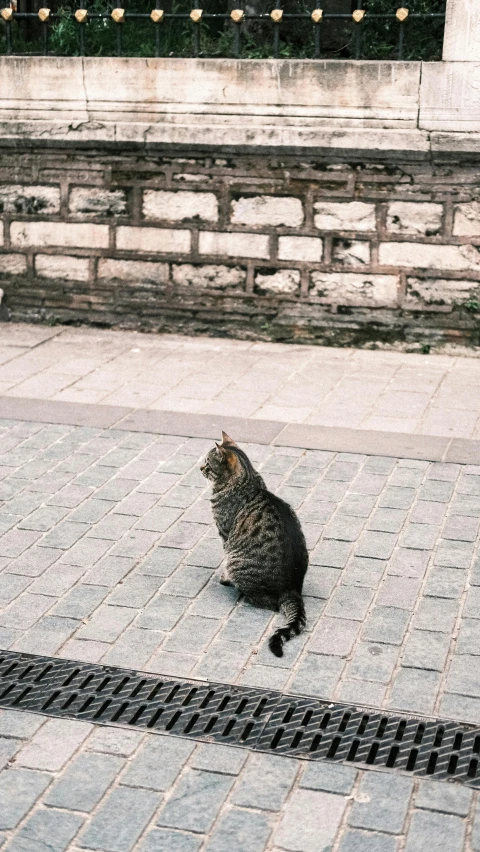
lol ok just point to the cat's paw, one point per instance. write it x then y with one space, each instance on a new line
225 580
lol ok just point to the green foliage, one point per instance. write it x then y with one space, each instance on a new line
379 37
473 306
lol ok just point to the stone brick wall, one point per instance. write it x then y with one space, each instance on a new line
313 250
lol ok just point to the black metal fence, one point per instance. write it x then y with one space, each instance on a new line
374 29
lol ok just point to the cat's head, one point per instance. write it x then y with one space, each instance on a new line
224 462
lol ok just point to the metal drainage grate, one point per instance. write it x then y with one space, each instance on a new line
261 720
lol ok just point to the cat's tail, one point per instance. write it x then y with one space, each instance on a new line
291 606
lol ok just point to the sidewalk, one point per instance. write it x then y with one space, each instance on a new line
108 554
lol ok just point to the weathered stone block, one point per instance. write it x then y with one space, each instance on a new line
413 217
209 276
439 291
12 264
282 282
77 235
344 216
62 266
351 252
300 248
29 199
234 245
153 240
267 210
133 270
177 206
355 289
423 256
466 222
95 201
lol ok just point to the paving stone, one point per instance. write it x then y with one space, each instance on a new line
113 527
425 512
265 782
379 806
161 561
223 661
464 676
162 840
134 504
14 542
265 677
330 777
454 554
447 798
49 634
43 519
377 545
436 831
475 837
80 602
183 535
362 841
343 528
426 650
162 613
315 513
56 580
19 790
401 592
419 536
135 591
415 690
387 520
195 801
108 571
466 505
436 614
397 498
12 585
325 812
114 740
239 830
192 635
121 819
91 511
84 650
364 692
26 610
8 748
246 624
368 483
84 782
469 485
86 552
208 553
135 544
107 623
468 641
334 636
471 608
445 583
169 663
218 758
186 581
15 723
358 505
46 829
64 535
461 528
436 491
350 602
158 762
158 519
53 744
317 675
332 554
373 662
8 636
133 648
320 581
461 707
408 563
386 624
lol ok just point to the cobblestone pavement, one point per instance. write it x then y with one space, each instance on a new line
388 391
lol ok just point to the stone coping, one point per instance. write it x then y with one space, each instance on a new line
305 436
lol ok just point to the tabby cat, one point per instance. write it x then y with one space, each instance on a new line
266 554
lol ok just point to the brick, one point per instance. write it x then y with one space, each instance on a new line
265 782
445 583
426 650
379 806
377 545
386 624
84 782
415 690
143 271
435 830
355 288
330 777
423 256
446 798
350 602
195 801
180 206
267 210
438 291
62 266
344 216
53 744
334 636
29 200
317 675
325 812
209 276
362 841
234 244
62 234
350 252
19 790
373 662
306 249
281 282
46 829
413 217
153 240
466 220
436 615
170 841
13 264
158 763
92 200
118 824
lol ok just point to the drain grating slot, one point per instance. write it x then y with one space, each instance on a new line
258 719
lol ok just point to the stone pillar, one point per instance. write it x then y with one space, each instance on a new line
461 41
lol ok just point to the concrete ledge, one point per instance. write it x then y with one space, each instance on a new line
304 436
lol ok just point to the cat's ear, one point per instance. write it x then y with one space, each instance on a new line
227 441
